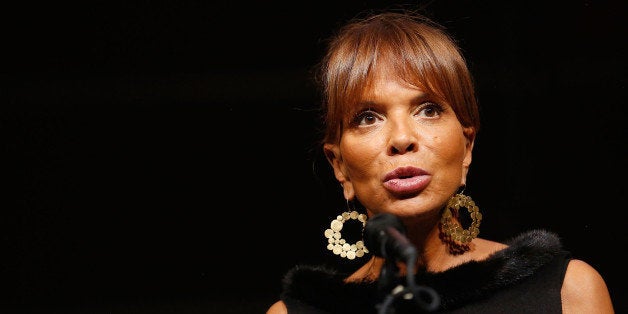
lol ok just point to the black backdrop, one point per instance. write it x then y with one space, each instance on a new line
159 157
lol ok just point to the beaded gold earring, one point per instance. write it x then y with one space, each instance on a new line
340 246
451 230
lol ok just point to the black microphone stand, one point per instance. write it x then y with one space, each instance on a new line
426 298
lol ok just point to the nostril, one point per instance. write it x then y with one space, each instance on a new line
402 146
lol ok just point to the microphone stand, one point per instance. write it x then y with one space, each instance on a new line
426 298
386 279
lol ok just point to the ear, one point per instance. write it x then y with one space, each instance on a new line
332 153
469 134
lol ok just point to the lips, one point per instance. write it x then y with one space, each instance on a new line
406 180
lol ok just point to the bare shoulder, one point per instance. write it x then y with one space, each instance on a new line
584 290
277 308
484 248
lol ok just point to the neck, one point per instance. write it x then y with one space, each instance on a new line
424 234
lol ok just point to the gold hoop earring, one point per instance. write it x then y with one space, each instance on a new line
451 229
337 244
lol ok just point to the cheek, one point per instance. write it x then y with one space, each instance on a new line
358 157
449 148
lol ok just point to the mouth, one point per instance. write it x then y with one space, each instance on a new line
406 180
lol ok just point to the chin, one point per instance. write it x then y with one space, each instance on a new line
410 208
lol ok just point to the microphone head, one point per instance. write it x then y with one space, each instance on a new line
376 234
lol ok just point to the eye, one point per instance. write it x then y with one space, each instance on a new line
366 117
430 110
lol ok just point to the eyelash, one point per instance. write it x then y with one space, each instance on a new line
371 113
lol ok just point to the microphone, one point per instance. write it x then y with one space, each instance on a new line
384 235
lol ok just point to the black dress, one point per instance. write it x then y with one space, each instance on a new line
526 277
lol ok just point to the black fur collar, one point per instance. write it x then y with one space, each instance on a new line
525 254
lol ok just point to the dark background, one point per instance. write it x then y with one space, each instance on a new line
160 157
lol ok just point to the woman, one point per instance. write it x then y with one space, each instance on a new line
401 119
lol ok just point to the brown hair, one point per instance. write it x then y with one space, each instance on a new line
409 45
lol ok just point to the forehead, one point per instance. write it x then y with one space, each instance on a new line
385 79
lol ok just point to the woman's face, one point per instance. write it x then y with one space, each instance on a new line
401 151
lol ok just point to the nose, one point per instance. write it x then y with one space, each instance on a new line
403 137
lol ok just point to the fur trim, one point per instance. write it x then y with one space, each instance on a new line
526 253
